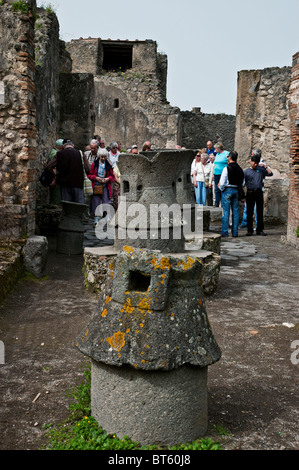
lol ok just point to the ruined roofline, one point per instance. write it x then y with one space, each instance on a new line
266 69
115 41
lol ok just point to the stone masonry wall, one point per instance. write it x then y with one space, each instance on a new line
262 116
76 108
17 121
199 127
47 59
293 215
135 119
263 121
130 106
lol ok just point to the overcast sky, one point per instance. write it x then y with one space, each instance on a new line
206 42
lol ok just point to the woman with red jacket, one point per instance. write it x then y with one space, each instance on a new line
101 173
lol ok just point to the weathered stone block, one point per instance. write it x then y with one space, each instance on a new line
35 254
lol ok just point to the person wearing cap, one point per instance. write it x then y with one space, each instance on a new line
70 172
134 149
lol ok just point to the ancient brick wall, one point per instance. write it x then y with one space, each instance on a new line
293 214
17 122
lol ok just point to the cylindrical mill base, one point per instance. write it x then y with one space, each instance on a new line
151 407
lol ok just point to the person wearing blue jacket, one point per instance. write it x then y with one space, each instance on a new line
220 163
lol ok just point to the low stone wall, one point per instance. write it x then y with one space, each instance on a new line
18 257
11 267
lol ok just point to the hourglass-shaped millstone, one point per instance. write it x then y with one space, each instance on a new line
153 188
71 229
151 314
150 345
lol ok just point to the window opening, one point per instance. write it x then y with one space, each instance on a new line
117 58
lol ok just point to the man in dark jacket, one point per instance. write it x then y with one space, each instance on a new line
254 180
70 173
232 178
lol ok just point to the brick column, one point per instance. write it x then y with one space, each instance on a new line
293 213
17 122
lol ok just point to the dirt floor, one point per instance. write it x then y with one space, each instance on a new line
253 389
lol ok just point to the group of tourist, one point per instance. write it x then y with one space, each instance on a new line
91 177
217 177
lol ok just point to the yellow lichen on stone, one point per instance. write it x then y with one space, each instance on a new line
117 341
127 307
144 304
188 264
128 249
164 263
104 313
108 299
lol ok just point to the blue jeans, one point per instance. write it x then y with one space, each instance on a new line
217 190
230 200
200 193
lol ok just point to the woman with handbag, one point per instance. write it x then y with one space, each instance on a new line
101 176
201 172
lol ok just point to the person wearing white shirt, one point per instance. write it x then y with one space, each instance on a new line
200 170
113 154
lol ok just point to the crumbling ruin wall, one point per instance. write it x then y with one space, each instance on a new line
263 121
130 99
47 59
262 116
76 108
200 127
17 121
293 214
124 114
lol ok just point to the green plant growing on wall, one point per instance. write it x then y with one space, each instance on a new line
21 6
49 8
297 231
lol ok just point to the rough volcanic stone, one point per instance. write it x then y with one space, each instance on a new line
35 254
153 316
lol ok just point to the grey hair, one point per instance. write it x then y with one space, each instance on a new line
114 144
94 142
257 152
103 152
205 155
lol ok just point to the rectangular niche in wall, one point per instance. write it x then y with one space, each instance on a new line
117 57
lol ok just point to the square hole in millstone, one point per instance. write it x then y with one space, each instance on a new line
139 281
